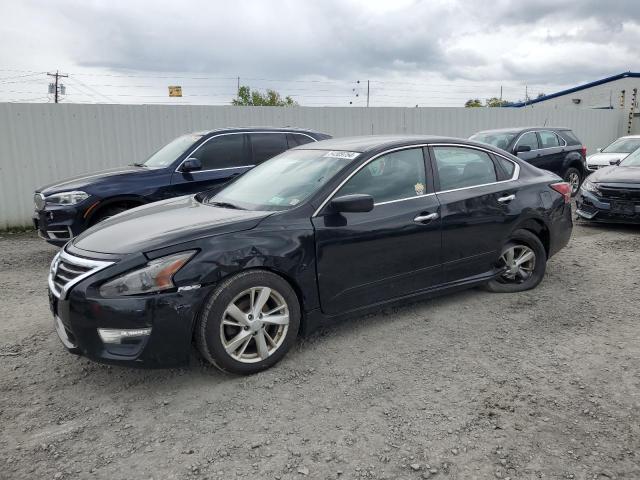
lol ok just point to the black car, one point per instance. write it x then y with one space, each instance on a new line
189 164
318 233
555 149
612 194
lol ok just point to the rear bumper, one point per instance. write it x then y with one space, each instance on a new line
592 208
561 226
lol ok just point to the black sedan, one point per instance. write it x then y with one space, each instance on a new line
318 233
612 194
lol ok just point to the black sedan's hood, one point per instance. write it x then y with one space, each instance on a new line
80 181
614 174
163 224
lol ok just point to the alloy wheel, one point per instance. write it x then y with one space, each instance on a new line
519 262
574 180
254 325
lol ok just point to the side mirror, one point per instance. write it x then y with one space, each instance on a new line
523 148
598 150
615 162
352 203
191 164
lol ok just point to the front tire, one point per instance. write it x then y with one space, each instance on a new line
249 322
524 259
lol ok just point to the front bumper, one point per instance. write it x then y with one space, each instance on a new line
593 208
161 325
57 224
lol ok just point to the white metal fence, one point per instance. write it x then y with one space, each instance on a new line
42 143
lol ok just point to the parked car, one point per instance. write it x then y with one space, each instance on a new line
320 232
555 149
612 194
617 150
189 164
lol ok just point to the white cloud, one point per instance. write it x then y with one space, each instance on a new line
441 51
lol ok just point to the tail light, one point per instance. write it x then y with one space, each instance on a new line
564 189
583 150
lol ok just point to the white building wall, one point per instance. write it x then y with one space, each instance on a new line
600 96
43 143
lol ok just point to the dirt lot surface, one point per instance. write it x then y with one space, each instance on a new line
543 384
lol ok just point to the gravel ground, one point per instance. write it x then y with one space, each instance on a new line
542 384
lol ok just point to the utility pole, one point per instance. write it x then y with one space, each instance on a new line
367 93
56 88
238 89
500 95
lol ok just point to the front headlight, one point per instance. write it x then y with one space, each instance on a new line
590 187
155 276
67 198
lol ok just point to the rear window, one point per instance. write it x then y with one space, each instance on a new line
570 137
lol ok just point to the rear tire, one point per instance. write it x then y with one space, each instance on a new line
573 177
249 322
524 259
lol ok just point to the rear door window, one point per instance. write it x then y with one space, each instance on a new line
460 167
529 139
297 139
267 145
224 151
548 139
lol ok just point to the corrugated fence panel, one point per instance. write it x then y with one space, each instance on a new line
43 143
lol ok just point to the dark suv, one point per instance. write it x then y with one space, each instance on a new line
189 164
555 149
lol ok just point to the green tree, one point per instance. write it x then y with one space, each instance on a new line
271 98
473 102
496 102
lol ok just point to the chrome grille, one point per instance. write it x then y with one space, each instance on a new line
67 270
612 193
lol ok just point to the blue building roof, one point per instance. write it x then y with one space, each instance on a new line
578 88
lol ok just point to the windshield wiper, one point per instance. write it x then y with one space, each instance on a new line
137 164
226 205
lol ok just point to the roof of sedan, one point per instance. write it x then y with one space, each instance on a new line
372 142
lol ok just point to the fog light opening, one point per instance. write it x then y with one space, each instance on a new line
118 335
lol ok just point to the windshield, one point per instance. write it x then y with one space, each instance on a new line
171 151
283 181
623 145
632 160
497 139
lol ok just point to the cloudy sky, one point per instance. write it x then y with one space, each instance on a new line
427 53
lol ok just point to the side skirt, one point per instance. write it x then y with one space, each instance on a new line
315 319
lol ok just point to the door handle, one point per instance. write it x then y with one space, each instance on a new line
507 198
426 218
